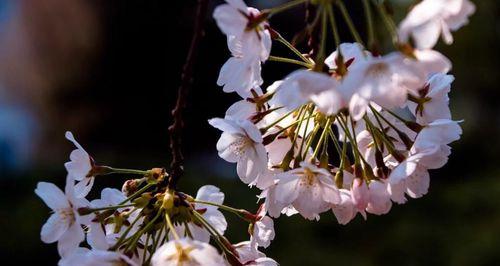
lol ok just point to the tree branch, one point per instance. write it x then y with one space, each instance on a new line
175 129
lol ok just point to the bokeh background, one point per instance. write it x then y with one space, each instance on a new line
109 70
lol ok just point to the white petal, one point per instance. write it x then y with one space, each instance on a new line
70 240
53 229
51 195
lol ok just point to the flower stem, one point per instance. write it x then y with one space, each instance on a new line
126 171
292 48
333 24
238 212
369 24
322 137
389 23
288 60
137 193
349 22
171 227
283 7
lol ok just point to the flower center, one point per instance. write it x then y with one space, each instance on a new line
240 146
308 178
377 69
67 215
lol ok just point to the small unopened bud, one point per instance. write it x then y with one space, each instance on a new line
130 187
339 178
168 200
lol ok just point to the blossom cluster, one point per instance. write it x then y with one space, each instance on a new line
350 132
145 222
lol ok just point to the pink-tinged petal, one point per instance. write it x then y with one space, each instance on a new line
360 194
251 130
199 233
433 61
224 144
112 196
357 107
427 35
402 171
328 102
345 210
83 187
418 183
380 200
210 193
226 125
264 231
217 220
54 228
238 4
52 195
397 192
240 110
230 20
69 136
286 191
70 240
96 237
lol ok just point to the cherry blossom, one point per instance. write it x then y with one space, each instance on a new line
431 18
241 143
249 255
309 189
80 168
86 257
64 225
432 102
187 252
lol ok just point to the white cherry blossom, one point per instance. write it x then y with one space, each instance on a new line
249 255
309 189
86 257
80 168
241 143
431 18
384 80
210 213
186 252
64 225
435 100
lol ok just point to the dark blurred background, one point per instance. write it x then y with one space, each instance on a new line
109 70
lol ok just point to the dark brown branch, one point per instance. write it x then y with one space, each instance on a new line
175 130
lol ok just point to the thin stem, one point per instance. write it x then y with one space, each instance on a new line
110 207
171 227
122 237
389 23
349 22
238 212
292 48
278 120
137 193
369 24
322 138
320 58
212 231
284 7
175 129
138 235
333 24
126 171
289 61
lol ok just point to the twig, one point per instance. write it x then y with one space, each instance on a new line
175 130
